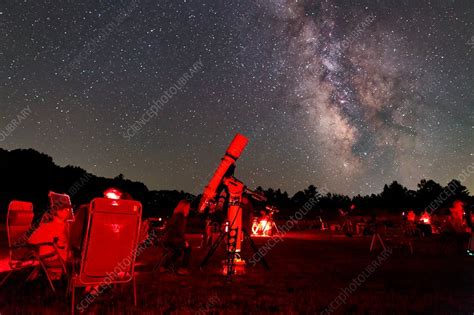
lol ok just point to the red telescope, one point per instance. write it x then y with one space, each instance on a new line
233 152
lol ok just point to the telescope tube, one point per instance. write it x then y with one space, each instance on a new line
233 152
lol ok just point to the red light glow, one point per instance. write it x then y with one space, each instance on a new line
411 216
113 193
425 218
227 227
262 228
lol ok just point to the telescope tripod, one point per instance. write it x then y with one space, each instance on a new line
231 236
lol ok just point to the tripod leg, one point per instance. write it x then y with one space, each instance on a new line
276 227
212 250
6 277
381 241
255 249
373 242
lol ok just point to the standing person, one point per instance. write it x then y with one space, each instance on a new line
469 211
247 214
454 227
455 220
175 242
207 237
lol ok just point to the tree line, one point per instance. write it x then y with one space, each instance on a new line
29 175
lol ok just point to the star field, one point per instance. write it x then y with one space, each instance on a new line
344 94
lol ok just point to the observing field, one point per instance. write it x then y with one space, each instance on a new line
308 271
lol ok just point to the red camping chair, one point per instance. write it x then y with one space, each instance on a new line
109 247
61 201
22 254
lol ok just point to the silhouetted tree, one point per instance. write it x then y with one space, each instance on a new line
428 190
28 175
394 196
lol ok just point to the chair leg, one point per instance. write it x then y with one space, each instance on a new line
162 260
30 276
134 291
68 288
61 261
6 277
73 293
63 266
47 275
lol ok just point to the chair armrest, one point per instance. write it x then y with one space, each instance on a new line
31 245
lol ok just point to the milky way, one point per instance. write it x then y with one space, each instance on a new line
362 93
344 94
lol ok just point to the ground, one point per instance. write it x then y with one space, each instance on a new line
308 272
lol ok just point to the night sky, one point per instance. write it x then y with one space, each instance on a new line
344 94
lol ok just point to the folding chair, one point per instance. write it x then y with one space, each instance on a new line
61 201
22 254
19 218
109 247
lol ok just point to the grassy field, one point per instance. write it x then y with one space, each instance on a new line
308 271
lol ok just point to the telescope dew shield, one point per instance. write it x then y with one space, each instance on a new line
237 146
233 152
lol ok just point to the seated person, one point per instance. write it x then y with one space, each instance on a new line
175 242
53 231
78 229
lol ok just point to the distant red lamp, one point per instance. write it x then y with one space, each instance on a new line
113 193
425 218
411 217
262 227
